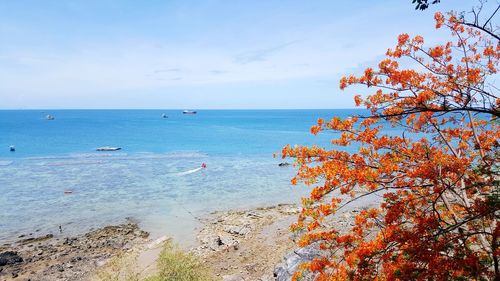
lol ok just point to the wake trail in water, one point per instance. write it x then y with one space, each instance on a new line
190 172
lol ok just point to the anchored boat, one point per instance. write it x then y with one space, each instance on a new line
108 148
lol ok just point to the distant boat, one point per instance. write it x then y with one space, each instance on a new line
12 148
189 112
108 148
50 117
164 115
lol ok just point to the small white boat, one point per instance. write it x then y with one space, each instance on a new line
12 148
50 117
189 112
164 115
108 148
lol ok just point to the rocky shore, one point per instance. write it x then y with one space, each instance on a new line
257 244
236 245
66 258
246 245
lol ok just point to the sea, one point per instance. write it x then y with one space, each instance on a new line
56 178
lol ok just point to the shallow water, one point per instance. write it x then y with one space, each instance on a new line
147 179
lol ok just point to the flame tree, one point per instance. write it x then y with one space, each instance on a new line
437 218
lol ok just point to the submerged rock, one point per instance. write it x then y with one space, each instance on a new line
35 239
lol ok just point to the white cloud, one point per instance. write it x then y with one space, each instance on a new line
316 51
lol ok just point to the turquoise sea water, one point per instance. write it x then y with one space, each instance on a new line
147 179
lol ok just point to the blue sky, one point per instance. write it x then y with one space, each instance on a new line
196 54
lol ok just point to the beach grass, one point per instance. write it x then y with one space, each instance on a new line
122 267
175 264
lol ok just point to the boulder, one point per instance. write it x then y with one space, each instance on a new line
285 270
9 257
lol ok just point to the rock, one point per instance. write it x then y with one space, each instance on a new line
37 239
285 270
238 230
75 259
218 242
253 214
290 210
228 241
9 257
67 258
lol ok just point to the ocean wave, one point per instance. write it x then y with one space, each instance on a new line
98 155
176 154
75 162
102 158
50 157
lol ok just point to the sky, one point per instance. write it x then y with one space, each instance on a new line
211 54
